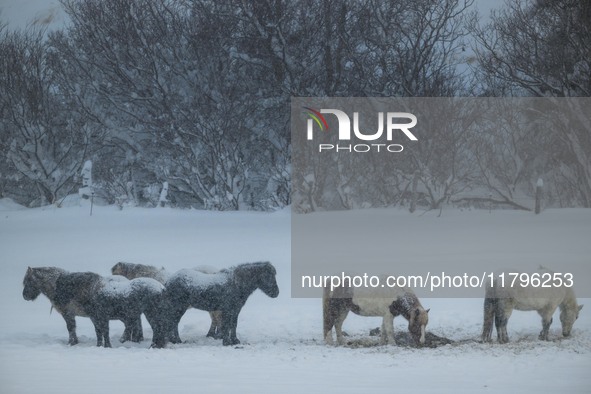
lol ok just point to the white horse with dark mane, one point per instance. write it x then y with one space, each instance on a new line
382 302
499 303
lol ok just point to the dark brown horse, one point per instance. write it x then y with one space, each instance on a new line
110 298
225 291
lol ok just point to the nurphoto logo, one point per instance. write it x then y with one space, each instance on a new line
393 126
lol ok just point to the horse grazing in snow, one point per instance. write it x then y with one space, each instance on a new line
225 291
499 303
132 271
384 302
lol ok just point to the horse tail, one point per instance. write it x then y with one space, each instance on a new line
490 306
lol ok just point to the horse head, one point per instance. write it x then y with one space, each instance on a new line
31 288
568 314
132 270
266 279
119 269
419 318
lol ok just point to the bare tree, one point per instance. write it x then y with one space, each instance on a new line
175 97
44 141
543 49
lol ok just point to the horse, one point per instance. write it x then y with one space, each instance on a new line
499 303
109 298
132 271
225 291
42 280
387 303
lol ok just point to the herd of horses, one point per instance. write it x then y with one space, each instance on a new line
164 297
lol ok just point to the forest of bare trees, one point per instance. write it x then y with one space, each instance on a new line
197 93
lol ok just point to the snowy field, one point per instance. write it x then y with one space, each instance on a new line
282 348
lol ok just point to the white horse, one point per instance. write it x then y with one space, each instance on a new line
383 302
499 303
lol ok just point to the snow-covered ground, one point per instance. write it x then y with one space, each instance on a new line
282 348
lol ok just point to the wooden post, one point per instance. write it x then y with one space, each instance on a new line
91 201
539 187
87 188
163 194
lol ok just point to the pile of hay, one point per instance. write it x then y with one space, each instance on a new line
402 338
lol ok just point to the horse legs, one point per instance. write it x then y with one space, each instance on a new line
158 337
174 320
129 332
158 318
174 333
71 326
99 335
139 331
503 312
105 328
215 330
338 326
101 328
489 316
329 319
545 329
229 324
387 333
136 330
133 330
158 329
546 322
334 311
126 333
